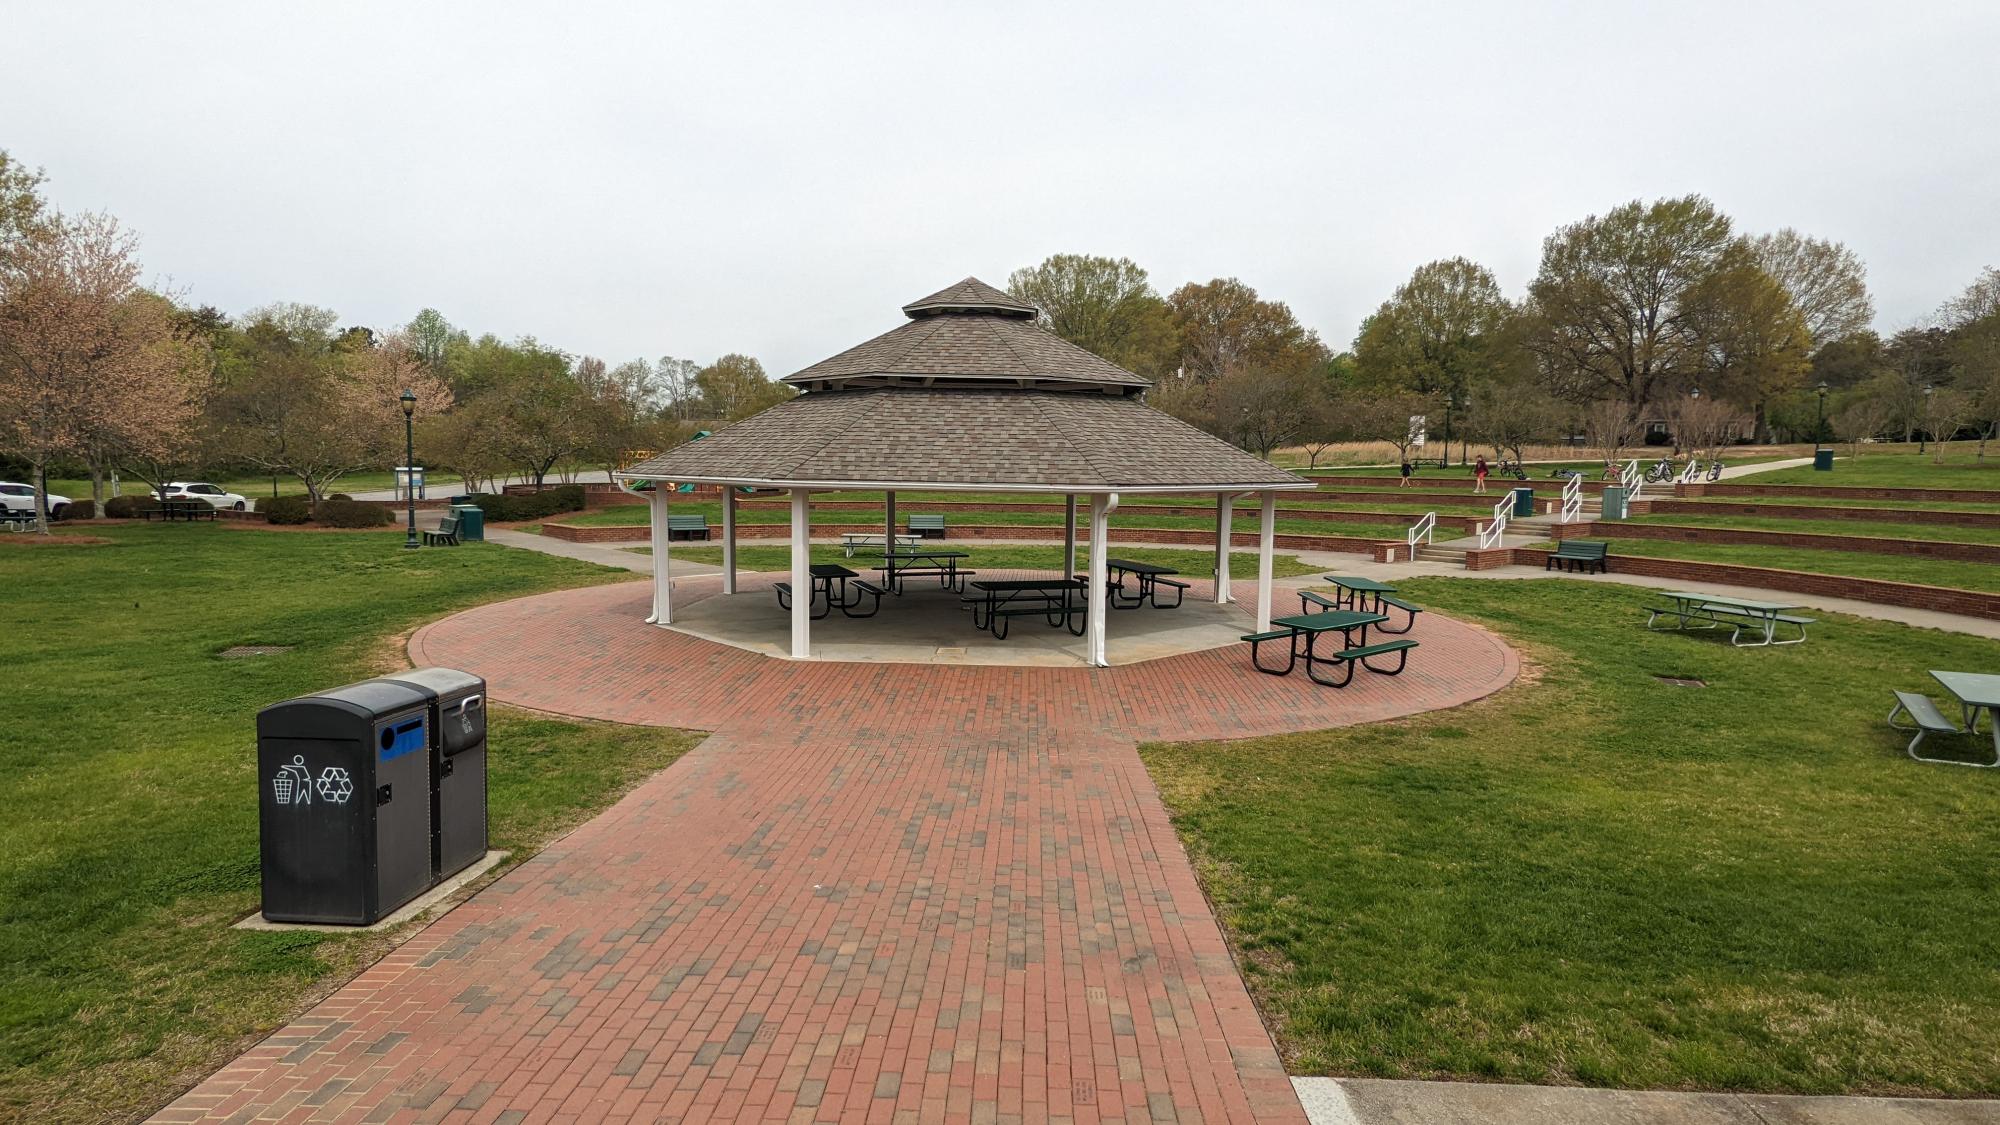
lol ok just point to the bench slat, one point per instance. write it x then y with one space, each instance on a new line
1371 650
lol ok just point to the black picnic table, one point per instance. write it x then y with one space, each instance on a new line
942 565
171 510
1359 594
1061 600
1149 576
829 581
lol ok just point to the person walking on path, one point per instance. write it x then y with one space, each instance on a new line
1407 470
1479 471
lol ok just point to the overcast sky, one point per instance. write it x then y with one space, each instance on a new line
641 179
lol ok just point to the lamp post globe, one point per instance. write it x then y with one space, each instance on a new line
409 401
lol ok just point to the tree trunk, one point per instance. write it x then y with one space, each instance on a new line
96 492
38 474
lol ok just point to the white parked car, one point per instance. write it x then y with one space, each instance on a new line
202 490
18 501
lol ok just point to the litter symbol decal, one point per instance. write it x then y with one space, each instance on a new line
293 785
335 787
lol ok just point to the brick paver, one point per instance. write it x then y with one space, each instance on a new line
876 893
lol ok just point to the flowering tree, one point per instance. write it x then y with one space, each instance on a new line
90 363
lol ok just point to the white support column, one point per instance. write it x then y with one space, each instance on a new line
1101 507
889 529
1266 536
802 598
1225 515
728 538
1069 534
663 582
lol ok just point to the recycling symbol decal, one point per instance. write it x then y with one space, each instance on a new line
334 786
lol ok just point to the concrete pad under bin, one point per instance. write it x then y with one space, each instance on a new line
409 910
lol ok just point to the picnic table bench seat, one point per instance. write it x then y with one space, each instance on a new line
1735 617
687 527
1582 555
1308 599
927 525
446 534
1928 719
1409 622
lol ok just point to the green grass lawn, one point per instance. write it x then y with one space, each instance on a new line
1000 558
631 515
1852 564
1897 469
1599 878
1882 529
128 772
1846 502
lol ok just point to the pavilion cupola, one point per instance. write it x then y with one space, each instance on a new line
970 336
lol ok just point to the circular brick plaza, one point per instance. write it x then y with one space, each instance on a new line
589 653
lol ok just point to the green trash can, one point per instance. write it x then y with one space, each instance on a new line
1823 460
1524 501
1614 502
471 522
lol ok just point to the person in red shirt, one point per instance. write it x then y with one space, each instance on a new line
1479 471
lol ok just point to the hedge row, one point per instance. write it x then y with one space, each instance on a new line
534 506
332 512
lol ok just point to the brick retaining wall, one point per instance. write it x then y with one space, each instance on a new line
1839 492
1911 595
1864 544
1805 512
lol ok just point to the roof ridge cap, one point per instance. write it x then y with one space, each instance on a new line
1040 399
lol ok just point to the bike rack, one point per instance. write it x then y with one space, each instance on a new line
1422 532
1572 502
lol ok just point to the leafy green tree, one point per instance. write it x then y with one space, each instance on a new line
432 339
735 387
1825 280
1617 310
1757 346
1106 305
1223 326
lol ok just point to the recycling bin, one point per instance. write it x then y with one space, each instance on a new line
456 706
1823 460
471 522
1524 501
1614 502
344 810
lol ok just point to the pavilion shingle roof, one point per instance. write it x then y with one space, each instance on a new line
957 347
969 438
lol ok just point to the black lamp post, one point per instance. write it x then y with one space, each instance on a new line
1450 400
1819 432
1924 434
409 401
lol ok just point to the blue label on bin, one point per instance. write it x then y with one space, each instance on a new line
400 739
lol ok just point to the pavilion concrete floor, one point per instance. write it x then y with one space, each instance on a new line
929 625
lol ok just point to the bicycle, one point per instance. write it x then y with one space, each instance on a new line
1506 468
1662 470
1715 470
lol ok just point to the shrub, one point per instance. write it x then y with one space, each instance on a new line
501 508
286 510
352 513
128 507
78 510
340 496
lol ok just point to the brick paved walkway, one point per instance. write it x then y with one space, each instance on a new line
876 893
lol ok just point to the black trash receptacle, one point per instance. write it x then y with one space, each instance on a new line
344 811
1823 460
457 703
1524 501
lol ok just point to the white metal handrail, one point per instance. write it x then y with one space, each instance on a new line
1572 505
1692 471
1634 480
1490 535
1422 532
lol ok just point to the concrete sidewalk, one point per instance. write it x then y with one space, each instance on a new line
1376 1101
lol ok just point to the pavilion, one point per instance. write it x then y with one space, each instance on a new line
971 395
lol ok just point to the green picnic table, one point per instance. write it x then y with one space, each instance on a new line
1360 594
1301 634
1975 692
1714 611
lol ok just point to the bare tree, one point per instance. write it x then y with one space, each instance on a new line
1610 424
1827 282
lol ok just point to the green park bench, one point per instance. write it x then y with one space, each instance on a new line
446 534
687 527
1579 554
927 526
